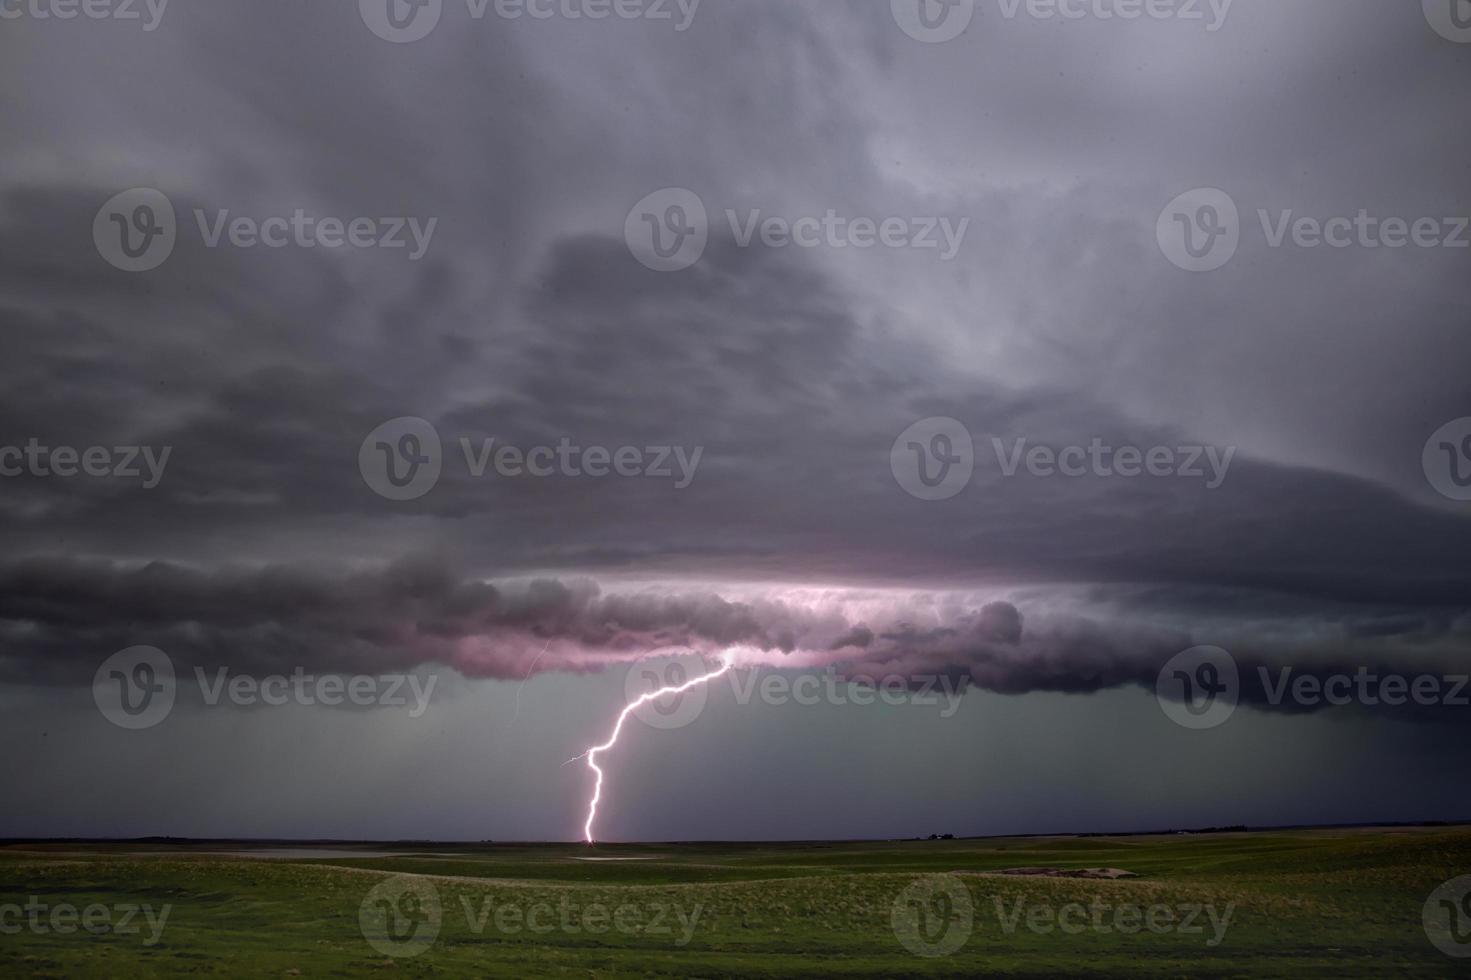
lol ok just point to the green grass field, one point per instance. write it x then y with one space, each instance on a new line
1304 903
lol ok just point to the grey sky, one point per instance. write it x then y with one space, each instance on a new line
1060 320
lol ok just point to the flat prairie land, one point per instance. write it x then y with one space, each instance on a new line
1311 903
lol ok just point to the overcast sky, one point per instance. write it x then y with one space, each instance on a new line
507 380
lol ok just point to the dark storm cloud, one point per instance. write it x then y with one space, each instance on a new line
63 616
761 363
529 322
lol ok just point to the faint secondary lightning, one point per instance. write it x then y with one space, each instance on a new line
590 754
517 713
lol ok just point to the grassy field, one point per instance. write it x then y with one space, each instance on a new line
1336 903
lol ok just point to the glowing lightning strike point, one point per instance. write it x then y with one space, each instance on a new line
590 754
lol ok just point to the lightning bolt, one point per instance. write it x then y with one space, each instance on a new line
591 754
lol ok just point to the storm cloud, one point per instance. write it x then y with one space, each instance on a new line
529 322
